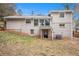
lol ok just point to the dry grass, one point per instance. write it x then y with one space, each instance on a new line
13 44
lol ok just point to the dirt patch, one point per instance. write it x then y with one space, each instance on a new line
75 42
13 44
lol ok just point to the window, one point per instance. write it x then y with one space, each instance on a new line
35 22
47 22
32 31
62 14
42 22
62 25
68 14
28 20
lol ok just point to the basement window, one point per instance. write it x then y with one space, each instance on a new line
32 31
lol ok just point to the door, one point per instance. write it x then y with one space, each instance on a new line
45 33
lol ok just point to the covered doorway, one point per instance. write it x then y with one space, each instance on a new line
45 34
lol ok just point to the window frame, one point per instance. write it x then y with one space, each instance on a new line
62 14
32 31
41 22
62 25
68 14
35 22
28 21
48 20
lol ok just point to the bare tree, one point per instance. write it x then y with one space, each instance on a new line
77 8
7 9
19 12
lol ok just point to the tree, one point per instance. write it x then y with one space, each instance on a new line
19 12
77 8
67 7
7 9
76 11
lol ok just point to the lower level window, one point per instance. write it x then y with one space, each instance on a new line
32 31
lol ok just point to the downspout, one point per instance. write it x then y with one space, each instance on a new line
4 23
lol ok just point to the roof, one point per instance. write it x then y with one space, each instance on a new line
55 11
28 17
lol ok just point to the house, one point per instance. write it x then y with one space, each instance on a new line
2 25
58 23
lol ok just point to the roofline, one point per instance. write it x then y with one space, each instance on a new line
27 17
55 11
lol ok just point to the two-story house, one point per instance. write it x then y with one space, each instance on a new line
59 22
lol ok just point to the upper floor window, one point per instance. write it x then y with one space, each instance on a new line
62 25
62 14
35 22
42 22
68 14
28 20
47 22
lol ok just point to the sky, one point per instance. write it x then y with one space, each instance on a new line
41 8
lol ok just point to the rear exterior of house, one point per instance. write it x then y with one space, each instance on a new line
62 23
59 23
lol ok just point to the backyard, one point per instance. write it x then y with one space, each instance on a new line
14 44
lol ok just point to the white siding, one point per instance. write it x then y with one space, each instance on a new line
56 18
67 20
27 27
14 24
22 26
64 31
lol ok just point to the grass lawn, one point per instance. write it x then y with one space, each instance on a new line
12 43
